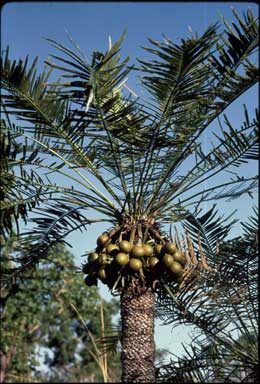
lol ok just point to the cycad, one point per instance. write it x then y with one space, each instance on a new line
222 307
123 158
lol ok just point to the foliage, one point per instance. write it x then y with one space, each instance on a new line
36 319
118 155
222 305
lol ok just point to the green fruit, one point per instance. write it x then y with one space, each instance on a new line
169 248
102 240
122 258
86 268
158 249
148 250
102 259
112 248
167 260
176 269
92 257
135 264
137 251
90 280
125 246
153 261
180 257
101 273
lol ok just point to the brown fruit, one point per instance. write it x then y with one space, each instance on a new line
153 261
125 246
169 248
167 260
158 249
135 264
180 257
93 256
122 258
137 251
176 269
148 250
102 240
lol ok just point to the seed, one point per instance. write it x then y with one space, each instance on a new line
92 257
122 258
148 250
153 261
180 257
102 274
102 259
176 268
137 251
103 239
167 260
125 246
169 248
112 249
90 280
158 249
135 264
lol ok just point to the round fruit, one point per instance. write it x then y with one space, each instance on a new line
167 260
153 261
92 257
148 250
90 280
103 239
169 248
180 257
101 273
122 258
135 264
111 248
102 259
176 268
125 246
157 249
86 268
137 251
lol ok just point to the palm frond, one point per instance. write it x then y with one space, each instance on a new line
222 304
208 230
229 151
110 340
211 104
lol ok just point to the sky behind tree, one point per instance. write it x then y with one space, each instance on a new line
25 24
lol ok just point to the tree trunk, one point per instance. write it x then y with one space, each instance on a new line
138 349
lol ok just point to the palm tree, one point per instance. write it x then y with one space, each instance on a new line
224 346
125 158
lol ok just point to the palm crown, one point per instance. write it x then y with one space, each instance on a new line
123 155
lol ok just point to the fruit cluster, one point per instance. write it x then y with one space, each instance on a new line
115 261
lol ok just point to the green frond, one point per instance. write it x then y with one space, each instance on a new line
178 77
234 148
222 304
208 230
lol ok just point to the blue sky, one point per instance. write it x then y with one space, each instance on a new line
24 24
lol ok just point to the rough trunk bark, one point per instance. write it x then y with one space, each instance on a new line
138 349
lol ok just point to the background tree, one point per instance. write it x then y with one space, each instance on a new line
125 158
37 316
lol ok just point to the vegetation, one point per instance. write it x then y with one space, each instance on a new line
222 305
45 312
125 159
